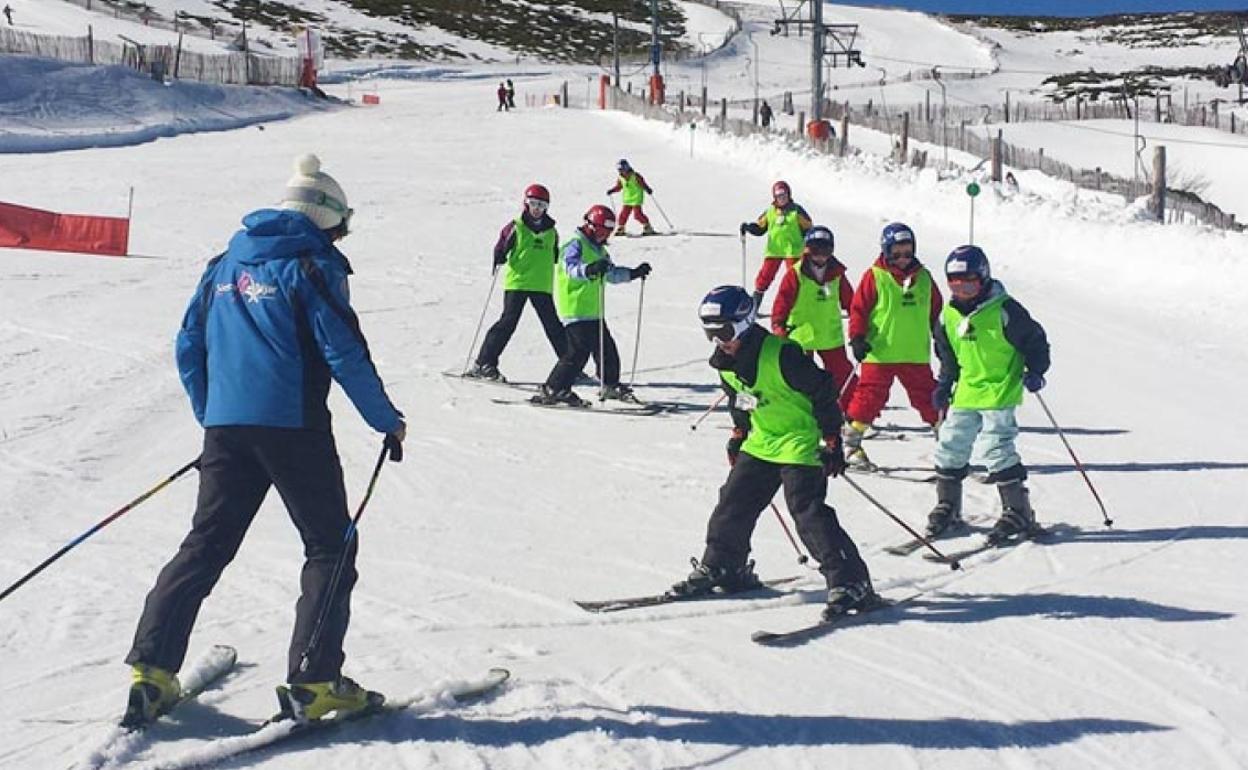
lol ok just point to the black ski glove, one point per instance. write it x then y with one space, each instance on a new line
861 348
641 271
734 445
1033 382
394 443
596 269
832 456
745 227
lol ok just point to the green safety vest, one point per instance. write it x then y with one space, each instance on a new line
575 297
900 329
531 262
815 319
991 369
784 233
633 193
782 424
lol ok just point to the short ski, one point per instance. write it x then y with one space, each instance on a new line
821 627
885 472
209 669
274 734
1036 533
501 382
654 600
637 410
910 546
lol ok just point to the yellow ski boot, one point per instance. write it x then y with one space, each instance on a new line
153 692
311 701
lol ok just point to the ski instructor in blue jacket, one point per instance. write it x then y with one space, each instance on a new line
269 325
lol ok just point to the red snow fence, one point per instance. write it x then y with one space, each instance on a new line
27 228
371 99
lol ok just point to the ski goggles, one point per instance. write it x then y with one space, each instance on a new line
537 204
964 286
319 198
725 331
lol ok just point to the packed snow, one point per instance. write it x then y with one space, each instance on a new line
1101 648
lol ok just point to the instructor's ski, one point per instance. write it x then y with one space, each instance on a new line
637 602
500 382
649 409
274 734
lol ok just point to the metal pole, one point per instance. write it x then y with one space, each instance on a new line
1062 435
816 60
641 302
708 411
480 321
743 273
615 45
904 525
602 337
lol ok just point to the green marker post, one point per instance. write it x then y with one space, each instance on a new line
972 190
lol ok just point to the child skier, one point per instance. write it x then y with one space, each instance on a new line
890 332
634 189
527 249
808 307
990 349
787 436
784 223
579 296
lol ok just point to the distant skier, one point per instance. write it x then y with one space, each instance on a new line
511 95
787 433
785 224
634 189
990 349
8 14
527 250
808 307
502 99
267 328
579 287
765 114
890 333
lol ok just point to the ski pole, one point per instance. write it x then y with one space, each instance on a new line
670 226
386 449
602 338
743 273
641 300
801 557
480 322
904 525
853 376
111 517
1104 513
708 411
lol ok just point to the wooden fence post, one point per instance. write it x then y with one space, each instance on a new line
1007 106
996 156
801 123
563 94
1040 162
723 112
1157 204
844 133
703 101
90 45
905 138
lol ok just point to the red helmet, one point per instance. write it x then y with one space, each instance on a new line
781 188
537 191
600 220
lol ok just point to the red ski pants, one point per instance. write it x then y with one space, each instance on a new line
631 211
837 364
875 381
767 273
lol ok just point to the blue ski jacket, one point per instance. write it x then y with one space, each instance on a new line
269 325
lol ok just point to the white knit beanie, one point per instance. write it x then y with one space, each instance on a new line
315 193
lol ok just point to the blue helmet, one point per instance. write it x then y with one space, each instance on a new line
895 233
622 165
968 261
820 239
726 312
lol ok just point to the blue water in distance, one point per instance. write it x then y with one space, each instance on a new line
1061 7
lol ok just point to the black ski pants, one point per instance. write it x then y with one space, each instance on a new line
499 335
237 467
583 343
750 487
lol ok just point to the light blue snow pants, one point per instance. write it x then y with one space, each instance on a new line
996 429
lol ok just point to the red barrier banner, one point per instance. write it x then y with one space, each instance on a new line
26 228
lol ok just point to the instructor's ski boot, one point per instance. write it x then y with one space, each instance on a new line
311 701
849 597
152 693
548 397
947 515
1018 520
480 371
706 578
619 230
